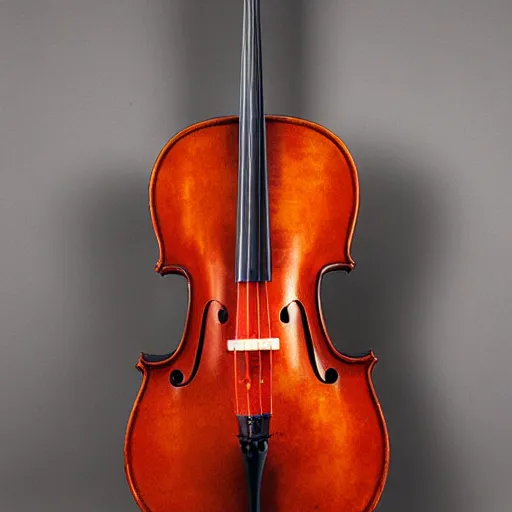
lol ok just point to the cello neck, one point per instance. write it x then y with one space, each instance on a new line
253 263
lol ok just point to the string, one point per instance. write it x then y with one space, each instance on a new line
259 351
265 391
247 362
235 353
270 336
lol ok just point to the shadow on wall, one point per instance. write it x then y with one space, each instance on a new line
123 308
401 223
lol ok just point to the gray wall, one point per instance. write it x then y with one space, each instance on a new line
420 92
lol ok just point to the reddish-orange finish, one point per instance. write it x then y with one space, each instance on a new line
329 449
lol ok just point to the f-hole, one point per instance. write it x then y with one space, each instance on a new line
331 375
177 378
223 315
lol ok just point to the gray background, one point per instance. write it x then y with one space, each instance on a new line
420 92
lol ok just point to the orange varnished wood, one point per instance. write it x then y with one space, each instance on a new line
329 449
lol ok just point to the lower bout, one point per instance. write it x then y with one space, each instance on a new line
326 470
328 450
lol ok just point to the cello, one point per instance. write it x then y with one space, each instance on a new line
256 409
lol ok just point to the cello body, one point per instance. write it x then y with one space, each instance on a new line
329 444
